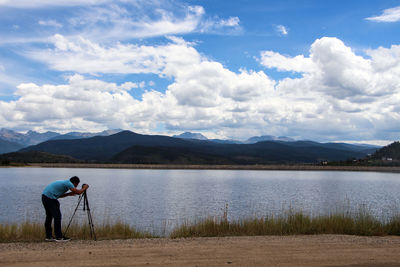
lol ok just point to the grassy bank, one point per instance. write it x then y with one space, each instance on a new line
292 223
33 231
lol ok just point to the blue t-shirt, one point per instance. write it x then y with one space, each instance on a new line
57 188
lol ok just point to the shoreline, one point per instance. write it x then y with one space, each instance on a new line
394 169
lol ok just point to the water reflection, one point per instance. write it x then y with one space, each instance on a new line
158 200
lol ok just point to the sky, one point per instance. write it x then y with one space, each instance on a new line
307 69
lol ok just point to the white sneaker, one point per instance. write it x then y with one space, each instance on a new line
52 239
63 239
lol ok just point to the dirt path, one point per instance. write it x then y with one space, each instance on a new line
320 250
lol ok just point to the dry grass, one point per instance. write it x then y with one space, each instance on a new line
289 223
33 231
293 223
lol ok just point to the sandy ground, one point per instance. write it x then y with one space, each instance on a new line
319 250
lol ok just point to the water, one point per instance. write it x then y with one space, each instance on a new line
158 200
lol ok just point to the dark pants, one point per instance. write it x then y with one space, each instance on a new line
52 207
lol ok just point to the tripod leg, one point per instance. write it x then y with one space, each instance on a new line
79 201
91 224
90 219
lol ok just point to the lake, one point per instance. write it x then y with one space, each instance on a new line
158 200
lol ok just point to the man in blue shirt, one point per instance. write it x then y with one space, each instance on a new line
51 193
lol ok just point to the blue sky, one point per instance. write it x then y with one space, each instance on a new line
321 70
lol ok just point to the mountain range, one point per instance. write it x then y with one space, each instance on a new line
26 139
11 141
130 147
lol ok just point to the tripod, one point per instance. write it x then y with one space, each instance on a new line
87 209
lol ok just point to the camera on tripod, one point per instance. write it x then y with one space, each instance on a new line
85 208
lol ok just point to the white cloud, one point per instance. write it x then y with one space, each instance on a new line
281 29
115 22
121 20
299 63
352 93
232 21
333 68
83 56
51 23
338 96
221 26
388 15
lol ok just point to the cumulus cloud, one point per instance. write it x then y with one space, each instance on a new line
338 94
203 94
333 68
388 15
355 94
71 106
299 63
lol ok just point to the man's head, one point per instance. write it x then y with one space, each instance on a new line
75 180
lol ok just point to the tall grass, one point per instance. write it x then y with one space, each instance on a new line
33 231
289 223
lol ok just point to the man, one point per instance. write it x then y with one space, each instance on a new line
51 193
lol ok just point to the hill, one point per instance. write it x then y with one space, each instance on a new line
385 156
35 157
7 146
390 152
103 148
129 147
166 155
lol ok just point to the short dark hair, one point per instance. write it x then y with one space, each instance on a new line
75 179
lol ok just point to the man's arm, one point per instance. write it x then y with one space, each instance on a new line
75 191
67 194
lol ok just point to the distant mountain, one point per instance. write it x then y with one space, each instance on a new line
7 146
129 147
79 135
256 139
102 148
33 138
30 138
228 141
188 135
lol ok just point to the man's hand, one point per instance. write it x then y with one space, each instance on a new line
80 191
